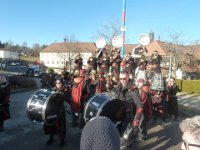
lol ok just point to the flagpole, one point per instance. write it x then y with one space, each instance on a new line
123 29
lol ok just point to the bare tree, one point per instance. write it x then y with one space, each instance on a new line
108 31
72 46
36 49
181 54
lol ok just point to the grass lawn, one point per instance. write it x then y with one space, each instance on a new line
30 59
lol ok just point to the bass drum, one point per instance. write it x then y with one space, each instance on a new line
105 104
44 106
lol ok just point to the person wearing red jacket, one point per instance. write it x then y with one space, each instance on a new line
145 94
158 100
81 92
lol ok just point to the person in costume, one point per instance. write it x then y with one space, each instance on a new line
93 81
59 127
128 93
92 63
101 83
155 61
145 94
129 64
81 92
78 62
104 63
172 101
115 63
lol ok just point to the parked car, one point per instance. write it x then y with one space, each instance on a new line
30 72
43 75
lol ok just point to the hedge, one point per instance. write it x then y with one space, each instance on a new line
189 86
22 82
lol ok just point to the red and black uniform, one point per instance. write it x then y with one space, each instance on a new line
114 81
92 63
111 82
133 104
158 100
145 94
59 128
93 85
78 63
101 84
4 103
130 65
77 89
154 63
81 92
115 64
104 64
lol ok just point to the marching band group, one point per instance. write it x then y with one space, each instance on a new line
131 79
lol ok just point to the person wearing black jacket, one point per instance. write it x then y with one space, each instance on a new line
127 92
4 101
60 126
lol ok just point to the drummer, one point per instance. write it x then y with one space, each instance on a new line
127 92
60 126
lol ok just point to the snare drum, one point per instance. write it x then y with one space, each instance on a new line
105 104
44 106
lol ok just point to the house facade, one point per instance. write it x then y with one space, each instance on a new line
6 54
62 55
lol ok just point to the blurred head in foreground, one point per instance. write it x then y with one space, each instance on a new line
100 134
191 133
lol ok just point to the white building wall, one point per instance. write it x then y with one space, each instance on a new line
7 54
85 57
57 60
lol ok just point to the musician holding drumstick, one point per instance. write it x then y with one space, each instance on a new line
60 126
127 92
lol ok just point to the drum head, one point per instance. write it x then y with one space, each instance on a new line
93 105
52 109
35 105
114 110
105 104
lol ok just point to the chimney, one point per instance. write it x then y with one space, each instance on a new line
151 36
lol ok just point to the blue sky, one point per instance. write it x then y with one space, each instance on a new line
47 21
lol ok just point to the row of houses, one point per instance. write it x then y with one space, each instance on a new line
62 54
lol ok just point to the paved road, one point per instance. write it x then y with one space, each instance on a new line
20 133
